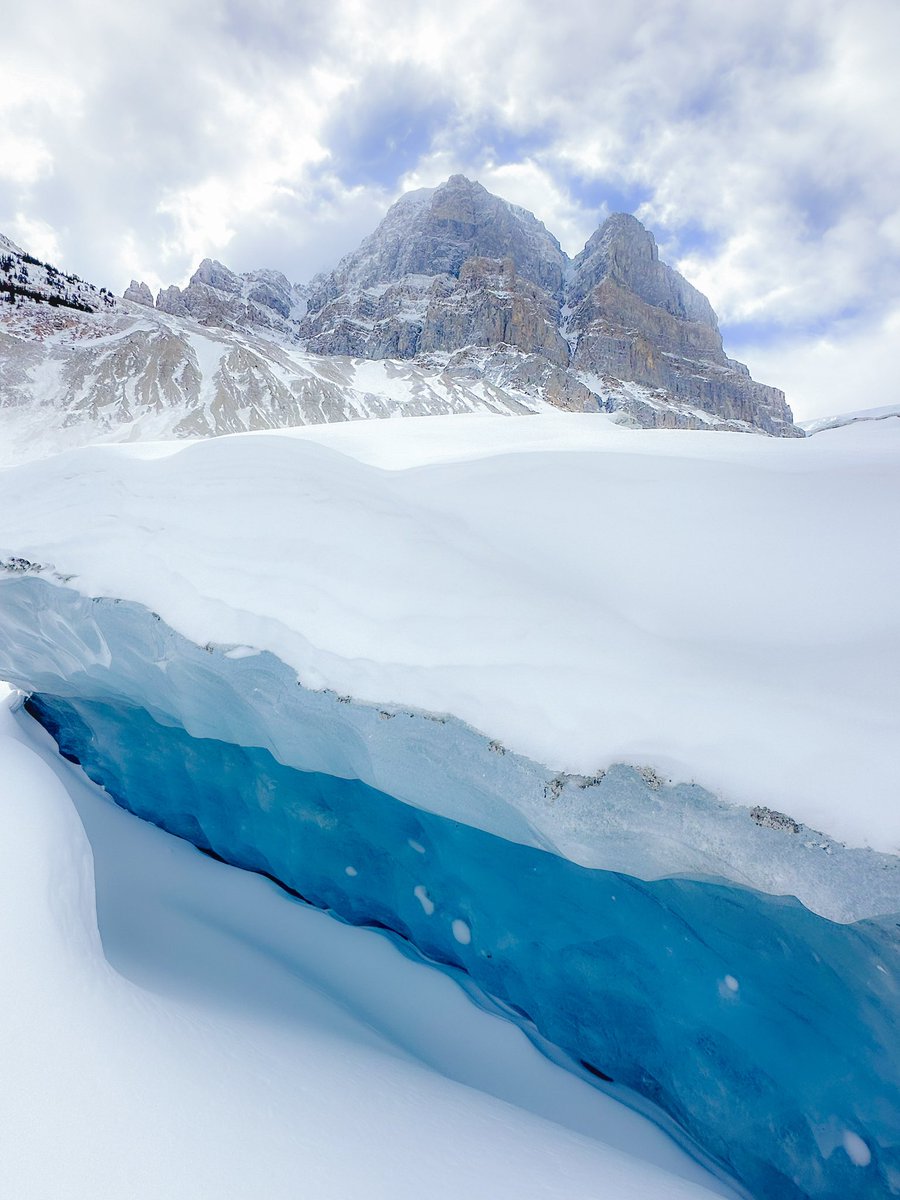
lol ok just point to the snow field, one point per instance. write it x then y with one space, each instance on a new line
723 609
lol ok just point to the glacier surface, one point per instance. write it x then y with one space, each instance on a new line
352 677
763 1031
721 609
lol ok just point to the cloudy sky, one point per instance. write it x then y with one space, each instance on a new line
757 138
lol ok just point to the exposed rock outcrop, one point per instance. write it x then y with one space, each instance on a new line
256 300
633 319
448 267
454 276
454 270
138 293
433 231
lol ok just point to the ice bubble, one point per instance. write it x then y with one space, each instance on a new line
857 1150
728 987
461 932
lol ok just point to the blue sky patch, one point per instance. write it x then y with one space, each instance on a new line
615 194
381 137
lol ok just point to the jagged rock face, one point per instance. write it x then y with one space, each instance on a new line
435 231
447 268
256 300
69 376
454 269
382 321
633 319
455 278
138 293
525 374
491 304
623 251
215 275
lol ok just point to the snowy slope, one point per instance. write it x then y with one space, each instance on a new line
851 418
722 609
252 1042
128 373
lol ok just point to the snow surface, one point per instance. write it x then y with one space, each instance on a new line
223 1041
850 418
724 609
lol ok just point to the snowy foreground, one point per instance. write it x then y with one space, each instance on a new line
723 609
225 1042
604 722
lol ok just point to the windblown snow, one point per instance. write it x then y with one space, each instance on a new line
722 609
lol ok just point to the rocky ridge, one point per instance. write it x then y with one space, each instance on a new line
26 278
101 369
466 300
262 300
457 276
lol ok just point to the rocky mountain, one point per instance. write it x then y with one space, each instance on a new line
261 300
456 275
631 317
25 278
458 301
78 365
447 268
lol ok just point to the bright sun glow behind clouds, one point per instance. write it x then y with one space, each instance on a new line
757 141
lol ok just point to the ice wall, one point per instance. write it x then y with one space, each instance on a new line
54 639
765 1032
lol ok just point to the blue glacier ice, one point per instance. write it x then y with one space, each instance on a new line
766 1032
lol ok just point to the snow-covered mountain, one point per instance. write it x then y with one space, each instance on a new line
25 279
456 275
458 302
265 301
78 365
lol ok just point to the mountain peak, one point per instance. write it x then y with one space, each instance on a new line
460 180
217 275
138 293
434 231
626 228
9 246
456 276
624 251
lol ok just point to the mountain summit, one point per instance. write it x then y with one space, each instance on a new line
464 300
459 277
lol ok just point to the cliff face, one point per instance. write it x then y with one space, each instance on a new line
456 277
215 296
447 268
632 318
434 231
456 274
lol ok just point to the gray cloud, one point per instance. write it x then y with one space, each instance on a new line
758 141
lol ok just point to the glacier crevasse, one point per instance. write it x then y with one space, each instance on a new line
767 1032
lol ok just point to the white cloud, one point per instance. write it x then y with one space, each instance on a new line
759 141
846 370
39 237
